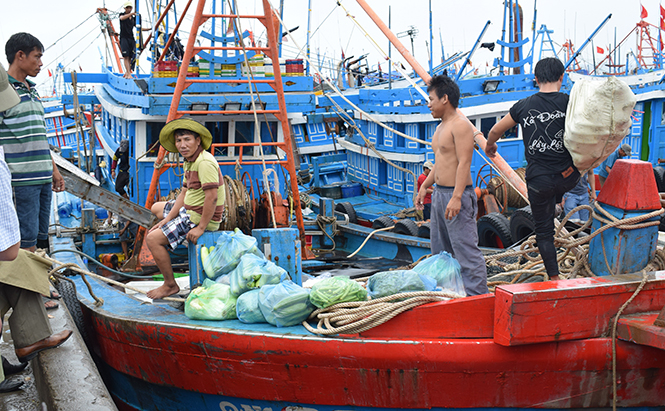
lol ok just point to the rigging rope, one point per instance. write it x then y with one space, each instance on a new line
257 125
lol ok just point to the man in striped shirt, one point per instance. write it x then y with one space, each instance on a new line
200 204
23 137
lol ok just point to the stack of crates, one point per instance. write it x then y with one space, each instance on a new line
165 69
228 70
295 67
193 69
269 68
256 65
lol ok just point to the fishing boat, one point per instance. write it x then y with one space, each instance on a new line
532 345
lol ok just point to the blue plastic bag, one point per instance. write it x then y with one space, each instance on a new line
211 301
285 304
445 269
247 308
253 272
388 283
228 250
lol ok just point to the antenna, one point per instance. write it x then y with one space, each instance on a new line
412 32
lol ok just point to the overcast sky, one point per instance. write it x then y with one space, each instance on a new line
457 23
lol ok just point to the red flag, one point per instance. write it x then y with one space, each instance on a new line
49 72
643 13
600 50
229 30
662 18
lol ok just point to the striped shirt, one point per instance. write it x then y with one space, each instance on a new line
201 174
23 137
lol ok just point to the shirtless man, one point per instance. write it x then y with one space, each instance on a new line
454 202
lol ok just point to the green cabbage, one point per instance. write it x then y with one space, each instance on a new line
285 304
333 290
211 301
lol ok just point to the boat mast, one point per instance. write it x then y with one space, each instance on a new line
499 162
431 56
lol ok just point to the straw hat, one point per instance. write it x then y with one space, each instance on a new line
128 4
428 165
8 96
167 137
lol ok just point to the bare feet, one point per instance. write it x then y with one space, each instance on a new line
554 278
163 291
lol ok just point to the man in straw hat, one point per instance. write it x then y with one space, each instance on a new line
23 275
200 204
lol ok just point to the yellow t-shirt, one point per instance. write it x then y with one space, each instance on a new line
201 174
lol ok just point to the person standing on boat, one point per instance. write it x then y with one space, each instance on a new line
550 171
606 166
427 202
23 137
127 41
121 160
200 204
29 323
454 202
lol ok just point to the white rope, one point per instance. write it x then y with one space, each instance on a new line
257 125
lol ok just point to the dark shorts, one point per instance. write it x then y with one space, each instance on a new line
176 230
121 182
130 233
127 46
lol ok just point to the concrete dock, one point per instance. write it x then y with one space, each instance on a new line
60 379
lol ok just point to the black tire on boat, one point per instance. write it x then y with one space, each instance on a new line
494 231
423 230
522 224
659 174
382 222
407 227
68 292
661 226
347 208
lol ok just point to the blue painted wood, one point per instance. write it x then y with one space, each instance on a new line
86 77
196 272
88 225
166 85
282 247
627 251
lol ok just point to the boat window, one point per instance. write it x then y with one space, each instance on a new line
486 124
245 134
220 134
662 114
152 137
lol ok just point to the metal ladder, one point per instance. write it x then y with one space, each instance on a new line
271 23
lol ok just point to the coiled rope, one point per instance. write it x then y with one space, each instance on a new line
358 316
571 265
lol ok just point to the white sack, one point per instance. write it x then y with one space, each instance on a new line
597 119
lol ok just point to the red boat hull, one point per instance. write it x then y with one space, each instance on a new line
423 373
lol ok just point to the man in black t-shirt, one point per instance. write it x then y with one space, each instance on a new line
127 42
550 171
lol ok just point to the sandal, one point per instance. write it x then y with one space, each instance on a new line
54 295
50 304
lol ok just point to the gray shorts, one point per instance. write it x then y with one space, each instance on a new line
459 237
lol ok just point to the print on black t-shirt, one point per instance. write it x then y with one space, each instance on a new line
542 117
